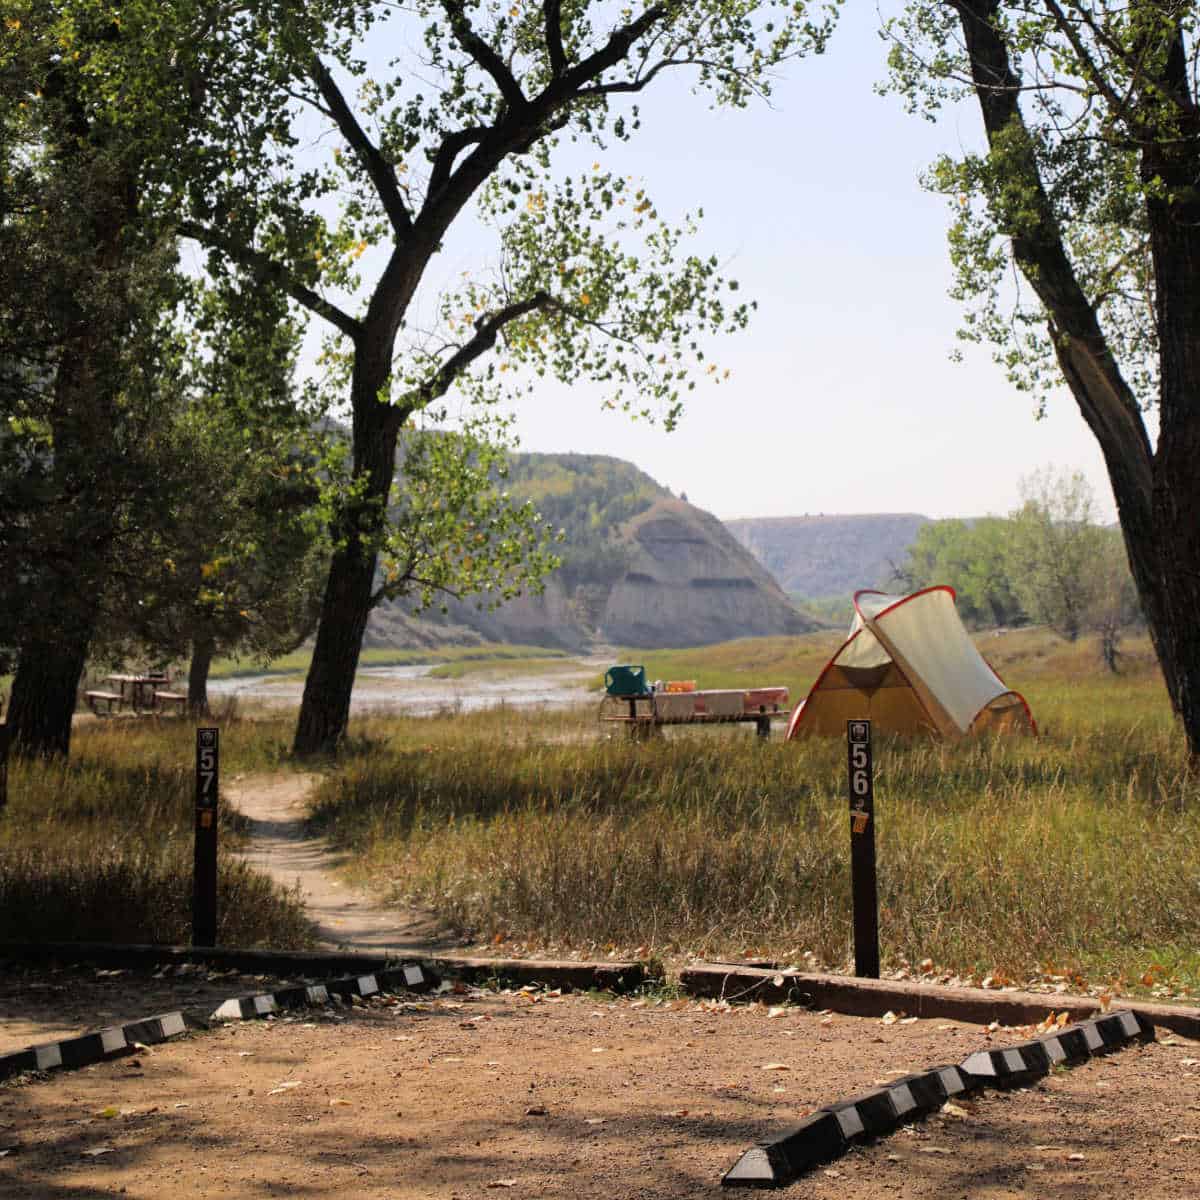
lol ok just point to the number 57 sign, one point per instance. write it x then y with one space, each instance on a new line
862 849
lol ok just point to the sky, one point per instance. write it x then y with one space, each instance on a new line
843 397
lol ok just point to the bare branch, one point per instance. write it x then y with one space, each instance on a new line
552 9
381 172
265 267
466 36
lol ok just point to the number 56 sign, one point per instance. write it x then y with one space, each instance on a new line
862 849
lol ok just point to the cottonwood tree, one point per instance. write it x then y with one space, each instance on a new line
1088 188
1053 543
233 561
82 285
591 281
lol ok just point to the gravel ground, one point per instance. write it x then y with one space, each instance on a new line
481 1094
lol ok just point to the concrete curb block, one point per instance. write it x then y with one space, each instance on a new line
615 976
94 1047
832 1130
409 977
874 997
602 976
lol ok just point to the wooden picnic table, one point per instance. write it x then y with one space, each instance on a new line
138 691
652 710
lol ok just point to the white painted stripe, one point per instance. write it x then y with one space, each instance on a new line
172 1023
951 1081
902 1098
1013 1060
264 1004
229 1010
112 1040
367 985
48 1056
412 975
1092 1036
1129 1024
317 994
1055 1051
849 1121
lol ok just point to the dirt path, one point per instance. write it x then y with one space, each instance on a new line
279 846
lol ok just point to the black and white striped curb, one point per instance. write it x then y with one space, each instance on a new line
832 1130
91 1048
410 977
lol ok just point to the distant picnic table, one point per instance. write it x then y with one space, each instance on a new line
141 693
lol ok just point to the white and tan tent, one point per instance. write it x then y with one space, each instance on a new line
910 667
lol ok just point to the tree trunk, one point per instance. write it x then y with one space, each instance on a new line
44 693
203 648
325 708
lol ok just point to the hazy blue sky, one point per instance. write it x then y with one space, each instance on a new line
843 398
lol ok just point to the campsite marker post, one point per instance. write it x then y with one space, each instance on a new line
204 870
862 849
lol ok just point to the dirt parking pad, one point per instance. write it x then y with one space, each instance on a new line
481 1094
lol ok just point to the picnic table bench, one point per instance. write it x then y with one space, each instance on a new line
106 700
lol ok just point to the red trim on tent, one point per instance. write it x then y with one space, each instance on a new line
937 587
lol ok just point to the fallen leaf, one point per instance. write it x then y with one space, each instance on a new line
1034 1167
96 1151
833 1174
502 1183
1189 1062
1075 1157
1049 1147
1185 1137
954 1110
594 1121
284 1087
775 1067
110 1111
889 1018
536 1111
777 980
908 1020
182 1104
895 1158
678 1112
337 1102
599 1049
934 1150
777 1010
8 1150
826 1020
404 1038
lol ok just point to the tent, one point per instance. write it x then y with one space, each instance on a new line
909 666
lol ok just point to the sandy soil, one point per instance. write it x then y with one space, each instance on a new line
480 1094
279 846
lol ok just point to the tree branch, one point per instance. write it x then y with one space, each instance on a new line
452 146
466 36
381 172
487 329
552 10
265 267
613 51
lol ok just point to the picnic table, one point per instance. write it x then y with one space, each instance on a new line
149 693
649 711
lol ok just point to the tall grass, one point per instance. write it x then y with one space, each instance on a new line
101 848
1077 851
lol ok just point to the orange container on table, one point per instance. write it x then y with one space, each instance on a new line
681 685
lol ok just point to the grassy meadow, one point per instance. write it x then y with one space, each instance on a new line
100 848
1076 854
